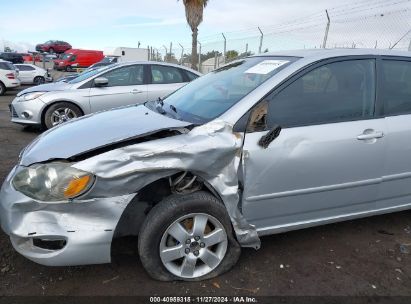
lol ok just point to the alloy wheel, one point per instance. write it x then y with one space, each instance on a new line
61 115
193 245
38 80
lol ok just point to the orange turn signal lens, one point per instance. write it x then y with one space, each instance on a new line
77 186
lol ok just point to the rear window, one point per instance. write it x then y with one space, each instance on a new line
6 66
396 86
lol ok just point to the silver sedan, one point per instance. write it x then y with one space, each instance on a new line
96 90
263 145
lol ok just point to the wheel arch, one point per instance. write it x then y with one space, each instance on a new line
4 86
149 196
43 112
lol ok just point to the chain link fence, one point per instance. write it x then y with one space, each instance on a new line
381 24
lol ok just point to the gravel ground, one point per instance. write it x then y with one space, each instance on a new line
362 257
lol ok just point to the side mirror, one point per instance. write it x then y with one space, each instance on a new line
265 140
100 81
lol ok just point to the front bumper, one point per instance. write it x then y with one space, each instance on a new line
82 230
26 112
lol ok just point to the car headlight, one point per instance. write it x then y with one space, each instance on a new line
52 182
31 96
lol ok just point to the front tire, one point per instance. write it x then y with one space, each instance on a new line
2 89
188 237
39 80
59 113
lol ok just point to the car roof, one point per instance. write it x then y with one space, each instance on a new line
335 52
157 63
33 65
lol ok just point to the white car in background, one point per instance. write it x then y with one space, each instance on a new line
32 74
8 76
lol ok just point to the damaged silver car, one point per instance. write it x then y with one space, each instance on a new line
263 145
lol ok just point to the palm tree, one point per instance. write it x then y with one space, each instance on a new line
194 15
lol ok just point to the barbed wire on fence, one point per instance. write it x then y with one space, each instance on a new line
365 24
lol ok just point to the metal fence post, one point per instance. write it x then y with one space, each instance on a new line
246 49
199 57
409 46
165 57
171 50
261 40
326 30
182 54
225 47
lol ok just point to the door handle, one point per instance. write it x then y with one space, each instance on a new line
136 91
371 134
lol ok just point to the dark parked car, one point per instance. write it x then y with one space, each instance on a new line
53 46
12 57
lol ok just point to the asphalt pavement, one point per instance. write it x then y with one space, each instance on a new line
362 257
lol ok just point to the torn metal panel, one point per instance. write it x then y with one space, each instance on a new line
211 151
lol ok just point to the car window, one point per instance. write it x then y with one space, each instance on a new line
164 74
22 67
125 76
396 87
191 76
6 66
335 92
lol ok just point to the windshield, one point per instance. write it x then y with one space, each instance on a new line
108 60
66 56
87 74
209 96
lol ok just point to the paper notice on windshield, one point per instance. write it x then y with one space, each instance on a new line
266 66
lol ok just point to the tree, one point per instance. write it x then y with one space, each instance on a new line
245 54
194 15
231 54
209 55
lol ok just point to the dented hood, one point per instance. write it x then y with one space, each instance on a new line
95 131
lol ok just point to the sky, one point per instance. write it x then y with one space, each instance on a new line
96 24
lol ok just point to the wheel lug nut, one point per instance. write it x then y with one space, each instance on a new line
196 253
188 241
187 251
202 245
197 238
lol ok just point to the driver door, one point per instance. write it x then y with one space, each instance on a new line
328 159
125 87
